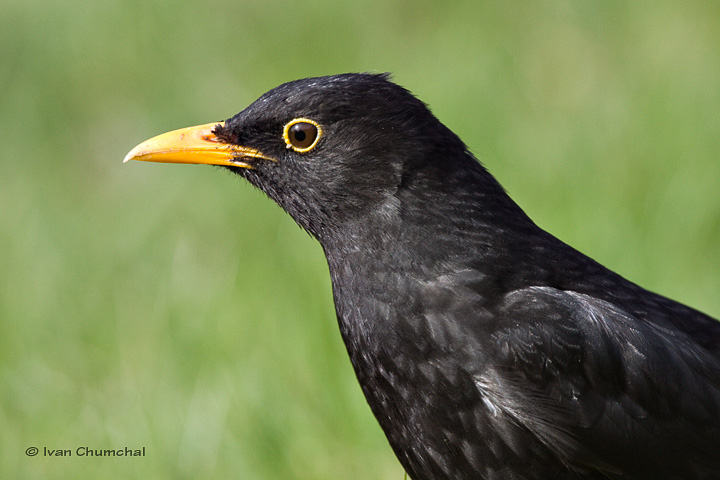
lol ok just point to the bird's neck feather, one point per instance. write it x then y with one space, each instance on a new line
456 229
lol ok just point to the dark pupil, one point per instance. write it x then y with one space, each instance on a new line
302 135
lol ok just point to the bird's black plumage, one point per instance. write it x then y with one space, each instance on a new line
486 347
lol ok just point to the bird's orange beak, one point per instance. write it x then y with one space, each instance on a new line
194 145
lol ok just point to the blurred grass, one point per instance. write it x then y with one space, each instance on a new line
175 308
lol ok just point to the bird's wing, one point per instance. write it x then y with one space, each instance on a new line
602 388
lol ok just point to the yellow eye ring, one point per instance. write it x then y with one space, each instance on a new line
302 134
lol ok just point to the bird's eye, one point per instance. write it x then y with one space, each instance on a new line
302 134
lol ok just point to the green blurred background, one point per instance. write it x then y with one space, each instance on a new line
175 308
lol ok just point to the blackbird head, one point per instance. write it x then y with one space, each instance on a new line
331 150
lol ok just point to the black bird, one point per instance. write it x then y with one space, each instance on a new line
486 347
